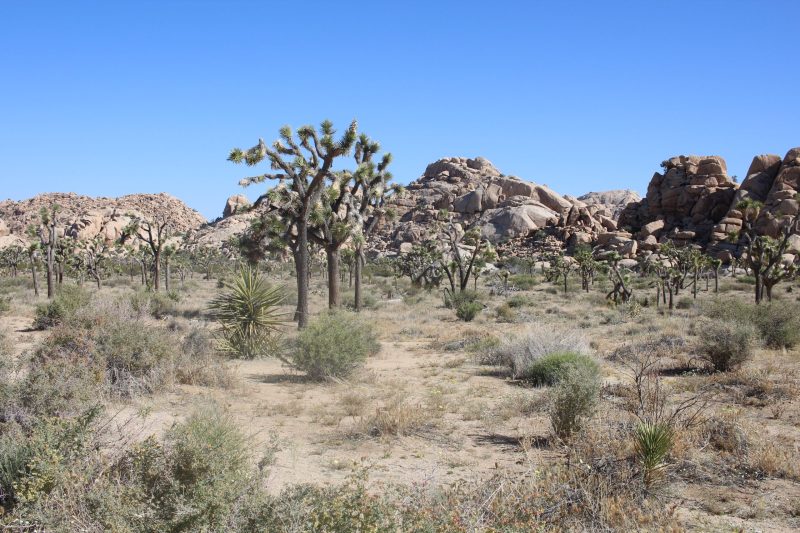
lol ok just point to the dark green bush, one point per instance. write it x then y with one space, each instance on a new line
725 345
523 281
518 300
505 313
573 399
548 369
777 323
467 311
453 300
333 345
156 304
68 299
685 302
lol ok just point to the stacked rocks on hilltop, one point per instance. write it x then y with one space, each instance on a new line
613 201
476 194
85 217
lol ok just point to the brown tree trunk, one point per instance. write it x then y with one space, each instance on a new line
334 298
357 276
166 274
301 268
156 270
35 279
758 287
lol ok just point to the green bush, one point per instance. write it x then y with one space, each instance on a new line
518 300
333 345
505 313
777 323
467 311
68 299
453 300
652 443
5 305
685 302
523 282
548 369
573 400
725 345
156 304
519 353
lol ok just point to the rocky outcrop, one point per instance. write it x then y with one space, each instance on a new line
4 228
85 217
235 204
612 201
686 202
474 193
775 183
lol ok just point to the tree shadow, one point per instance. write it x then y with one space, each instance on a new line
511 443
272 379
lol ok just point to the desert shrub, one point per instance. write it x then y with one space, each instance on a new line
40 458
467 311
518 353
523 282
452 300
368 301
505 313
198 362
685 302
155 304
779 324
518 300
573 400
67 300
333 345
5 304
726 345
548 369
248 311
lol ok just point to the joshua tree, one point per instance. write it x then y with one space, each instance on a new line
560 267
422 265
12 257
154 233
764 255
587 266
168 252
460 266
302 166
96 253
48 240
620 293
34 256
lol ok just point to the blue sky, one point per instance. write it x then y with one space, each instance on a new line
109 98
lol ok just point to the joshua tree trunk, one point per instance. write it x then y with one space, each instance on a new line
35 279
334 298
301 268
157 270
758 289
166 274
357 266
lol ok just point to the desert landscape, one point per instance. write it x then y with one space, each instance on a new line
436 267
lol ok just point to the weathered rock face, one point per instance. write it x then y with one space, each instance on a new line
85 217
612 201
235 204
475 193
689 199
774 182
4 229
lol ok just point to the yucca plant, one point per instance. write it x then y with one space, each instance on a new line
248 311
653 443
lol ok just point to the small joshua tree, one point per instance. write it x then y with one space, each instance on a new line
587 266
48 241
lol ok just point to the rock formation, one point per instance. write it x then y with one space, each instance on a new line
472 192
685 203
612 201
85 217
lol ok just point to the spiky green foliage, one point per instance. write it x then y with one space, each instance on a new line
652 442
248 311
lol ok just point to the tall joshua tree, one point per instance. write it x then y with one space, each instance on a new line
349 211
154 233
302 164
47 235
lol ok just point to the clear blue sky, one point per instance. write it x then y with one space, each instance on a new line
109 98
